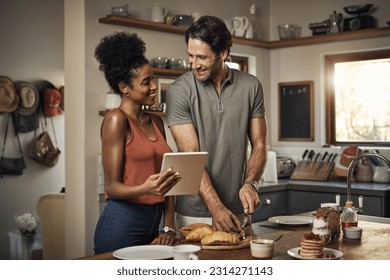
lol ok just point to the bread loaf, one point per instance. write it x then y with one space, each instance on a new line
198 233
220 238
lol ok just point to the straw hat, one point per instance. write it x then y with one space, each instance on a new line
9 99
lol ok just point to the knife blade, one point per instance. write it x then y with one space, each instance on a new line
309 159
322 162
246 218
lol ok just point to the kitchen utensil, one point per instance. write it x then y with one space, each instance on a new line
170 20
316 158
358 9
309 159
183 20
278 238
246 219
353 232
262 248
381 174
322 162
289 31
186 252
175 63
158 13
120 11
301 162
159 62
240 26
334 22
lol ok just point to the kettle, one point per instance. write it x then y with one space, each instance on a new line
158 13
240 26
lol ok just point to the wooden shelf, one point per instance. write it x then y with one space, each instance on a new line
318 39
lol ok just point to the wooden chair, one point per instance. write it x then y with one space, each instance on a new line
51 212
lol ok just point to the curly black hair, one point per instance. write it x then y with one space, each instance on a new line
120 54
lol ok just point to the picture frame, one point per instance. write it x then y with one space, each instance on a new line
296 111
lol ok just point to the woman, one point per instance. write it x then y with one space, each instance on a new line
133 144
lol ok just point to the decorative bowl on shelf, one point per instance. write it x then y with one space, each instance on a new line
358 9
289 31
159 62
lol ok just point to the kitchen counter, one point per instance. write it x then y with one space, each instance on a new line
373 245
299 196
358 188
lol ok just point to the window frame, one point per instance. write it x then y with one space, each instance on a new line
330 61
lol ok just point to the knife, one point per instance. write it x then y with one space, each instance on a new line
301 162
246 219
309 158
316 158
322 162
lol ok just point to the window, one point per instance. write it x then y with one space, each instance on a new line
358 98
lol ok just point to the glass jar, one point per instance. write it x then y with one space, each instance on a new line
348 217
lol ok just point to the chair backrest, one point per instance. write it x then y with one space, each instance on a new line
51 212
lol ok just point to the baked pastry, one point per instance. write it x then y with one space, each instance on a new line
220 238
187 229
198 233
312 246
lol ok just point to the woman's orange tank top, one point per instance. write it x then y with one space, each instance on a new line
143 157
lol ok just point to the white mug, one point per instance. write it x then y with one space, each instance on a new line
186 252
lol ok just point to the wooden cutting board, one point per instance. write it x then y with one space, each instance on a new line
243 244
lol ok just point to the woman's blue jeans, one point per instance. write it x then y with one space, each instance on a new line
123 224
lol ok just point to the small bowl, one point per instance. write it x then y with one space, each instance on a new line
353 232
175 63
159 62
289 31
262 248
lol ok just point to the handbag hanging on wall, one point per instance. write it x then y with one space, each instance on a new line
42 148
11 166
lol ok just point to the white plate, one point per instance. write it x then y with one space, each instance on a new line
291 220
145 252
294 252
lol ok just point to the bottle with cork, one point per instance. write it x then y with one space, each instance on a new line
348 217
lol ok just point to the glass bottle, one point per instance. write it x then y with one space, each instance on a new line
349 216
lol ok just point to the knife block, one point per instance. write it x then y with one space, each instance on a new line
312 170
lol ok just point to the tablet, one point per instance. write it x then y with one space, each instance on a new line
190 165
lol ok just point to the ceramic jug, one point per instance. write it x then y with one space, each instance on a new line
381 174
158 13
240 26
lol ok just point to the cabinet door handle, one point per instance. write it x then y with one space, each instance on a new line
266 201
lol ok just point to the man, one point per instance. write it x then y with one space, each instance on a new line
217 109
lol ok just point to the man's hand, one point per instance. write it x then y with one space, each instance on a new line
249 198
224 220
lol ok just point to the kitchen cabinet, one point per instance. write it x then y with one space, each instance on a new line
311 40
305 196
292 197
272 204
302 201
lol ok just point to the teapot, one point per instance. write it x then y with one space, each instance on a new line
158 13
240 26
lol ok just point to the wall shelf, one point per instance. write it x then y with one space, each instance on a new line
318 39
